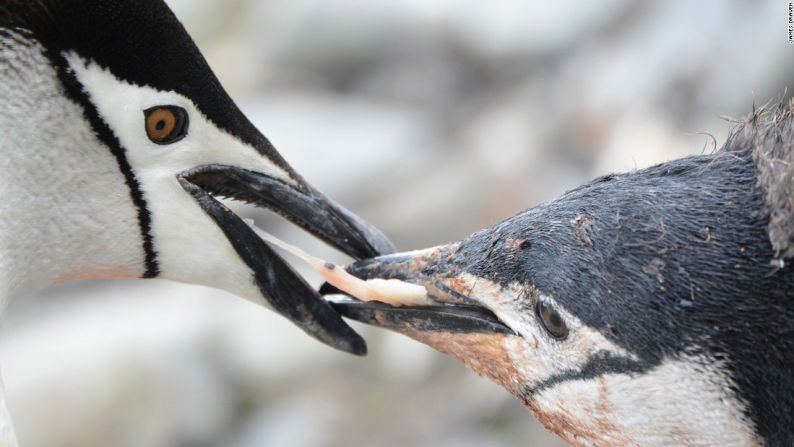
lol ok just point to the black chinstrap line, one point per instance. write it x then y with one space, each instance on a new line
74 90
598 364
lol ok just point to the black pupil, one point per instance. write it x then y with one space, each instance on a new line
554 319
165 124
551 320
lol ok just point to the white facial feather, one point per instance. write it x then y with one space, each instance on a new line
680 402
683 401
121 106
67 212
515 307
190 246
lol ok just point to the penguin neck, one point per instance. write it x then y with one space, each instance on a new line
67 212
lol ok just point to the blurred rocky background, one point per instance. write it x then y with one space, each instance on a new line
431 119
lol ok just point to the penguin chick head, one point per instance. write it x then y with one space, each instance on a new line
638 309
136 91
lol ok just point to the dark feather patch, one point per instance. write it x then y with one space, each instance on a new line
141 42
769 135
674 261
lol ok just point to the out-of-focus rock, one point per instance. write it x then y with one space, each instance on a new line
338 141
115 371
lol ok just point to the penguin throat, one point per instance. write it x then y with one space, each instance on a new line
685 401
67 211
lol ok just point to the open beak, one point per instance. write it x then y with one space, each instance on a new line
456 309
286 292
458 321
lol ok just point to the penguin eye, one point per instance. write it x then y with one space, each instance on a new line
166 124
551 320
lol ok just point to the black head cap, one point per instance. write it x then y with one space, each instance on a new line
139 41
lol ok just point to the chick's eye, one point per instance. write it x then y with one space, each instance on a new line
551 320
166 124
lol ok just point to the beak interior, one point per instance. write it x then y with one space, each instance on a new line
292 297
286 292
299 203
454 312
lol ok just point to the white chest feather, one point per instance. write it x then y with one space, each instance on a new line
66 209
678 403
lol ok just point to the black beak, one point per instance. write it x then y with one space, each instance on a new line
303 205
455 324
438 270
453 319
284 289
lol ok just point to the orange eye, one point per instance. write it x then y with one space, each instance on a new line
166 124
